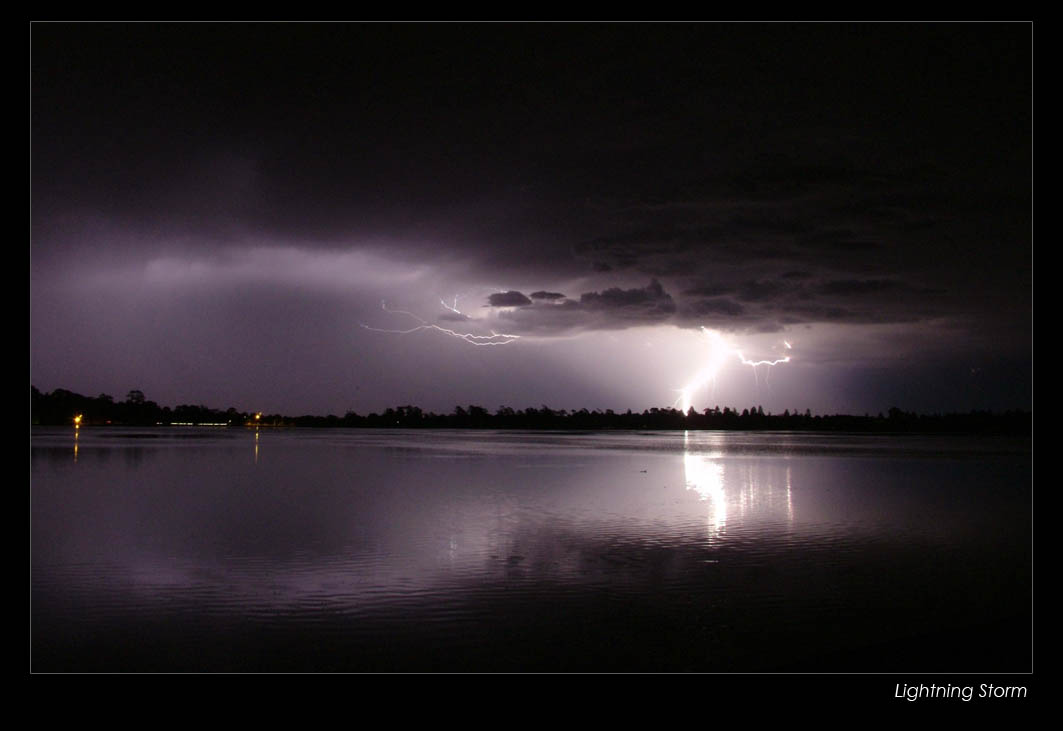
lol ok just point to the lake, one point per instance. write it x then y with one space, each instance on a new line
227 549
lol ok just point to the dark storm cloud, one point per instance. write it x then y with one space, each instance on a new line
857 287
760 291
720 306
756 175
610 309
709 290
890 143
782 245
511 298
649 302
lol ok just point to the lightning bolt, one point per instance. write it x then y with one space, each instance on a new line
756 363
719 354
493 339
453 308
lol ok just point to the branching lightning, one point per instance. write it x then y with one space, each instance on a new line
756 363
493 339
721 350
453 308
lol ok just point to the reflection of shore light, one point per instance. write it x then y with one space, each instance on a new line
705 477
77 431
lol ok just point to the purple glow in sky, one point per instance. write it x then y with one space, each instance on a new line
217 209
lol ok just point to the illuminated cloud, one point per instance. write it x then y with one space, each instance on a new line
288 266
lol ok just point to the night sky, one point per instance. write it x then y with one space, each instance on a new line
219 212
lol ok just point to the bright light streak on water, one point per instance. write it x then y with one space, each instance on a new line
237 549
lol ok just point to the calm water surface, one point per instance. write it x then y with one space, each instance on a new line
223 549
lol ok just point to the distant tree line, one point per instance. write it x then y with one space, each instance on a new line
60 406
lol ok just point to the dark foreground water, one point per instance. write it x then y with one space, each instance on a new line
219 549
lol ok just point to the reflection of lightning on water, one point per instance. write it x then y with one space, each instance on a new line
492 339
748 491
721 351
704 476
